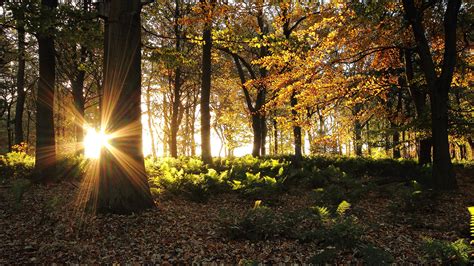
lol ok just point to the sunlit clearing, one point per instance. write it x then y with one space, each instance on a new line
93 143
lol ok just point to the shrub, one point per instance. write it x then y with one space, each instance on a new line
456 252
16 164
338 229
343 234
256 186
413 198
258 223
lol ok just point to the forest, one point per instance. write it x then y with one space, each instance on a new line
242 132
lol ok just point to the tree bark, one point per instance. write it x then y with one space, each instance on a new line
45 157
122 182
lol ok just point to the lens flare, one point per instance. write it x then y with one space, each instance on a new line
93 143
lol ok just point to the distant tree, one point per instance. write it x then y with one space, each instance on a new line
20 78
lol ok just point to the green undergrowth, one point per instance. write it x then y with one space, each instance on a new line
332 178
335 232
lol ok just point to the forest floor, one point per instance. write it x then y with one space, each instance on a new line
45 228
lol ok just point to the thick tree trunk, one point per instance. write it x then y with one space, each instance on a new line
123 186
205 94
45 157
443 174
20 81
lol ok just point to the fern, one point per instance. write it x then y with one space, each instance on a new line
343 207
323 213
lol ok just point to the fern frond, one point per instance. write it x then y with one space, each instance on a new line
343 207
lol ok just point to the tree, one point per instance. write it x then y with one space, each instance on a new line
20 80
206 82
122 184
438 84
45 157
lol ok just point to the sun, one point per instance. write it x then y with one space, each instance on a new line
93 143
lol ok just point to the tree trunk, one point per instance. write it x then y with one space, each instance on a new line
123 186
165 124
20 80
45 157
462 151
263 137
257 135
176 87
419 99
357 130
150 115
439 85
206 90
396 141
296 129
357 138
78 96
443 174
275 135
9 129
321 129
175 113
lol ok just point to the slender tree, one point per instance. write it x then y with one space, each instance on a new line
20 78
177 83
206 83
